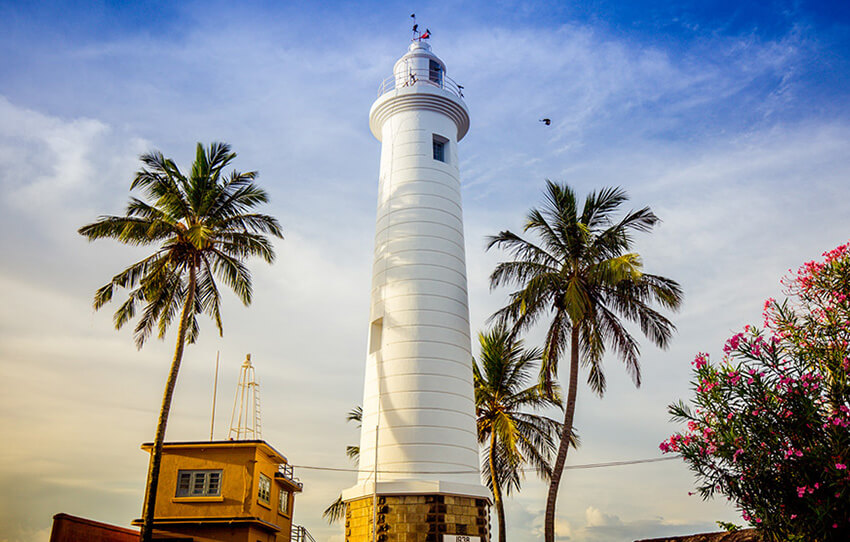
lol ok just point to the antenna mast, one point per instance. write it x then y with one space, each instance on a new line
245 422
215 393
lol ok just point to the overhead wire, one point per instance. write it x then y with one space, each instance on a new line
567 467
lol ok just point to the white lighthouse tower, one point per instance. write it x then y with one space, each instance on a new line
418 447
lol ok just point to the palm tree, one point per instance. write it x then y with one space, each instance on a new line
502 396
336 510
581 273
203 228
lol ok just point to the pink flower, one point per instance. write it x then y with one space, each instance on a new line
841 466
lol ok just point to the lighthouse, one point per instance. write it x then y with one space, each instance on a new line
418 478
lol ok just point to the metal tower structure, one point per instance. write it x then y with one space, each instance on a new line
245 420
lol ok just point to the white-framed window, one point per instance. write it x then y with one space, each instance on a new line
264 493
198 483
441 148
283 502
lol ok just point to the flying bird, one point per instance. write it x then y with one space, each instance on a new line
547 122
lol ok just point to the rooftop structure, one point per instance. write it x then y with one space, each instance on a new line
224 490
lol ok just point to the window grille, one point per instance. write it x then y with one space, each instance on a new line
283 504
198 483
265 489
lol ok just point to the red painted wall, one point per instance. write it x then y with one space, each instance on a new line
67 528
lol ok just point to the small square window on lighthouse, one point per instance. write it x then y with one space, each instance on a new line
441 148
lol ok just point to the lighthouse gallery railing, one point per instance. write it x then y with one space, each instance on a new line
420 77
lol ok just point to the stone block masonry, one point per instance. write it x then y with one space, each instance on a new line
417 518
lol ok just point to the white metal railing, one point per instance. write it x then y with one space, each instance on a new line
300 534
420 77
288 472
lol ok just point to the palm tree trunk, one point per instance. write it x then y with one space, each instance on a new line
156 456
497 491
569 413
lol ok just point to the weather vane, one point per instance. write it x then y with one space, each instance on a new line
417 35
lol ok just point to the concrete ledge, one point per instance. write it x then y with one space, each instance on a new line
416 487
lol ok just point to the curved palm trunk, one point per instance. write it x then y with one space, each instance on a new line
497 492
569 413
156 456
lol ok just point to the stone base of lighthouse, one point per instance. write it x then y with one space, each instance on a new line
418 518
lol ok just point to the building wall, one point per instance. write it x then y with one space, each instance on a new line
241 465
223 533
417 518
67 528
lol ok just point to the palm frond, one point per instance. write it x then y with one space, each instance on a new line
336 511
242 245
234 273
355 415
209 295
353 453
598 206
125 229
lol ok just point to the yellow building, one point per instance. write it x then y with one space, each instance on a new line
233 490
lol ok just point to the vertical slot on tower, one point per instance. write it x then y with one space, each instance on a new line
375 335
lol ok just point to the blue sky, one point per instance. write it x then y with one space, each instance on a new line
729 119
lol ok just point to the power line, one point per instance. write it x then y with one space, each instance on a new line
568 467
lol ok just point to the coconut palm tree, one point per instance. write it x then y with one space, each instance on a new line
580 273
336 510
204 228
503 397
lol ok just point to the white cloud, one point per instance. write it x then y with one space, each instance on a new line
594 517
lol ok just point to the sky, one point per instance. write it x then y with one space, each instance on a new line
730 119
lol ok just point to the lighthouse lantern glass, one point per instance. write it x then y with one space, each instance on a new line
435 72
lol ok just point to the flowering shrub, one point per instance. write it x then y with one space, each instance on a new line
769 426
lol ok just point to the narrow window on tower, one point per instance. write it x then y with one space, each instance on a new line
441 145
375 333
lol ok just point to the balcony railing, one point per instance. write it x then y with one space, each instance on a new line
300 534
421 77
286 471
